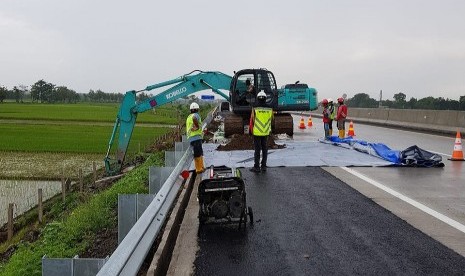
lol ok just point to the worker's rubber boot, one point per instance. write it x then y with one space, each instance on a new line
198 161
330 132
341 133
198 168
202 166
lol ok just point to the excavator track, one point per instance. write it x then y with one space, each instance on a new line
233 124
283 123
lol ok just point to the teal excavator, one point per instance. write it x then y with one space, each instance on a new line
236 109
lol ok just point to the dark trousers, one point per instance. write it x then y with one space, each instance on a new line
260 145
197 146
341 124
327 128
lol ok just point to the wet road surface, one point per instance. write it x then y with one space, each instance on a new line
308 222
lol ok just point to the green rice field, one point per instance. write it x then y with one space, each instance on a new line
68 138
82 112
55 135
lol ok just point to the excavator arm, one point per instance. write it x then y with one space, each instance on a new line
127 114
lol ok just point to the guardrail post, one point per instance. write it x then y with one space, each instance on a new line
63 189
158 176
94 168
170 159
81 181
130 208
11 207
40 205
68 184
71 266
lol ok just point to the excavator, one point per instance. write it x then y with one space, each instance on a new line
236 108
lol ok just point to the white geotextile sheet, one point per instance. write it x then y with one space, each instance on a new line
296 154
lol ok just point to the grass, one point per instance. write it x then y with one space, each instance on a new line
68 138
71 235
82 112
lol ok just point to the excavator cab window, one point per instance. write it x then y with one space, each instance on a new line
245 89
266 82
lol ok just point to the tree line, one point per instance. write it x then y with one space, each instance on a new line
400 102
45 92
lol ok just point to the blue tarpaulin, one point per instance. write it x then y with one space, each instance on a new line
377 149
386 153
412 156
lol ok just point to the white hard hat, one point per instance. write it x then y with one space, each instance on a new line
261 94
194 106
330 100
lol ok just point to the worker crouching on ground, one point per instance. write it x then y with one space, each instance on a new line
326 118
195 136
260 127
341 117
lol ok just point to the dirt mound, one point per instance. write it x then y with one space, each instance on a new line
237 141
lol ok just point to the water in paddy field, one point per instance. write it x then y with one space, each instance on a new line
24 194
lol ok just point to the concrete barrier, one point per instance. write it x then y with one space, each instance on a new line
447 118
379 114
461 119
438 121
427 117
396 116
356 113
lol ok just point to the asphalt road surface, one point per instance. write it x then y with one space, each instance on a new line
308 222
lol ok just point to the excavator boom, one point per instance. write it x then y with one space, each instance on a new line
127 114
242 87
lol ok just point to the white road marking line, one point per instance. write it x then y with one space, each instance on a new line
457 225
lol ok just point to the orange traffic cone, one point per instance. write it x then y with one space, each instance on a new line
310 124
457 154
351 129
302 123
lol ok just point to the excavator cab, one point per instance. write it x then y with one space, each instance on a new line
245 86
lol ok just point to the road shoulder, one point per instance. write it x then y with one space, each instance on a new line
185 250
433 227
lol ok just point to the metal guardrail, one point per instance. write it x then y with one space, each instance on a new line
131 252
71 266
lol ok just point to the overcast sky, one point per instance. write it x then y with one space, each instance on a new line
416 47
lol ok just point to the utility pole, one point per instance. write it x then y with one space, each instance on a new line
380 98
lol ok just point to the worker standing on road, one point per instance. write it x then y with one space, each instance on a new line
260 121
195 136
332 115
326 116
341 117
